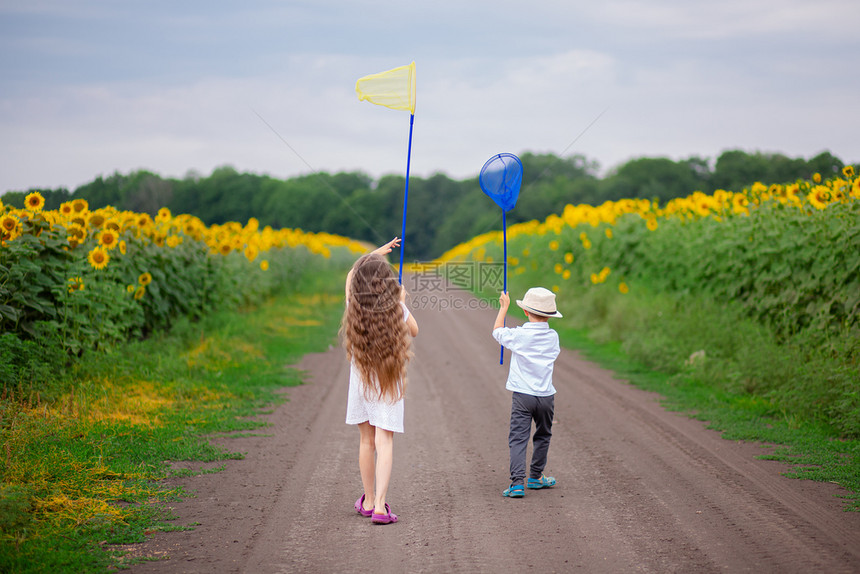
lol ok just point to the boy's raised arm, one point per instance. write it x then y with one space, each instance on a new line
504 303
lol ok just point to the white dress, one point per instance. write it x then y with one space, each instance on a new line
379 412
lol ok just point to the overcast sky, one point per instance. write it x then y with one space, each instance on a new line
95 86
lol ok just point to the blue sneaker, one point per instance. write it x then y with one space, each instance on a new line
542 482
515 491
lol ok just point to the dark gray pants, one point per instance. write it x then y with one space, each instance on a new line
524 409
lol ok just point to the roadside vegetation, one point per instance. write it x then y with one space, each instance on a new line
126 342
83 473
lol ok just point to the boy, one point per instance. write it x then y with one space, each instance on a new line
534 348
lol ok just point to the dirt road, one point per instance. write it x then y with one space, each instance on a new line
639 489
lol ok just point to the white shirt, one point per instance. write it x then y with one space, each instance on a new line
534 348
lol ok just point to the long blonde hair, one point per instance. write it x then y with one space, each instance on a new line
374 333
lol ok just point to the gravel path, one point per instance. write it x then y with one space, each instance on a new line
639 489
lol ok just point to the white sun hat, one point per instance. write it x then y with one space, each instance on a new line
539 301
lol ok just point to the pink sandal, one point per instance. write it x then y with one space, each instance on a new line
387 518
359 507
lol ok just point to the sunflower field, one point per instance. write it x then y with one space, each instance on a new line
76 279
784 258
124 340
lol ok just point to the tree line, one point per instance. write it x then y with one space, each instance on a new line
442 212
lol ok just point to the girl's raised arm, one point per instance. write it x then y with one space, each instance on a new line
411 323
348 282
388 247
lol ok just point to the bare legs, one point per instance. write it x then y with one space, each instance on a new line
375 459
384 461
366 451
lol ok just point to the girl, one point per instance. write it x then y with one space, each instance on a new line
376 333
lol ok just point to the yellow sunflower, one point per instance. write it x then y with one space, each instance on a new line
568 257
76 234
604 273
144 221
34 201
122 247
191 229
77 231
66 208
139 293
838 190
75 284
553 244
108 238
9 224
848 171
98 257
819 197
264 264
558 268
96 219
740 204
145 278
80 205
623 288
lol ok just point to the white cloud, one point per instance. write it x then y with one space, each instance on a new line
729 18
678 79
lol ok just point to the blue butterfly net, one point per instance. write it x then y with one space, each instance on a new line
501 178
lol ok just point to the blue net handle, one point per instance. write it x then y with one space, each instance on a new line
504 277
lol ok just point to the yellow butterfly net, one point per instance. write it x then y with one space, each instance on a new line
393 89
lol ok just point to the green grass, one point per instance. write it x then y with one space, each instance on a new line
811 450
83 473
